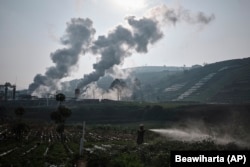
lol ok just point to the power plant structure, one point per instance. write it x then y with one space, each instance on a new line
77 93
6 94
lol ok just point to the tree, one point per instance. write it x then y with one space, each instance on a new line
60 97
19 111
60 116
55 116
64 112
137 92
19 127
119 85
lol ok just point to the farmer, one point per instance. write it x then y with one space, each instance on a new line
140 134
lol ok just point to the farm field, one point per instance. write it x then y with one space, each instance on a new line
105 145
111 133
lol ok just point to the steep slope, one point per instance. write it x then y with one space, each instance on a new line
222 82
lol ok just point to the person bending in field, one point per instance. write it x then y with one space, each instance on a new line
140 134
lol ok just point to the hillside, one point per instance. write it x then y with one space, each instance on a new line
221 82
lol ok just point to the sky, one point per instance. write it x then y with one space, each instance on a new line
30 30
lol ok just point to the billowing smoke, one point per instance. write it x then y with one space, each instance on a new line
135 36
168 15
119 43
122 41
92 91
77 38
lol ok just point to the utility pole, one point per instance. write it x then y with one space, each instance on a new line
82 139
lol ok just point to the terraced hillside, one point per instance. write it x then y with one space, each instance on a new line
222 82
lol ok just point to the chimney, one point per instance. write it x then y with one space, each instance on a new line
77 93
14 92
6 92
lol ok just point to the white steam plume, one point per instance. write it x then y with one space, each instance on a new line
78 36
114 47
139 33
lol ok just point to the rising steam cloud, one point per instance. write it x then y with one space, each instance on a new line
123 41
79 34
120 43
135 36
168 15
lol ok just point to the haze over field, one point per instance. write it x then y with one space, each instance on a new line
44 43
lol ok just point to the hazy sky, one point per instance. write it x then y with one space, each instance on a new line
31 29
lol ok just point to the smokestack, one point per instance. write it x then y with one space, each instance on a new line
6 91
14 92
77 93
